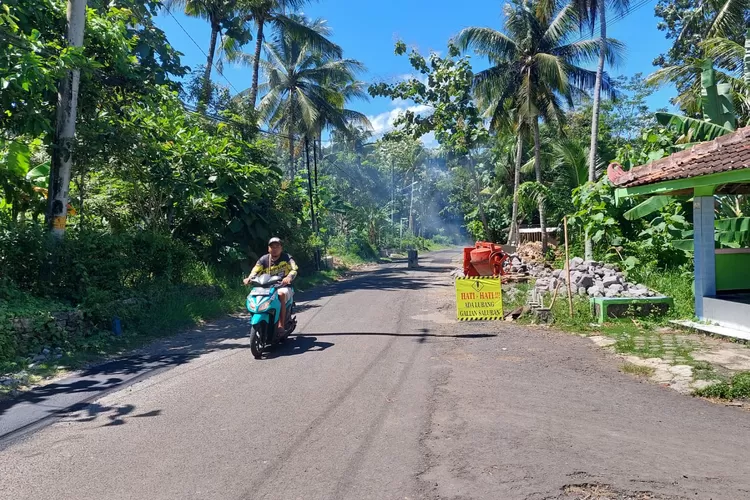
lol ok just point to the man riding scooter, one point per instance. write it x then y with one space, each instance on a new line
277 263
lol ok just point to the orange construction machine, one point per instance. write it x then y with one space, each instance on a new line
484 259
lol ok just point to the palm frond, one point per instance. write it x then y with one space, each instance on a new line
729 16
726 54
560 27
552 71
313 37
487 42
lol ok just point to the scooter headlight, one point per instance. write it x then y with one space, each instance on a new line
264 306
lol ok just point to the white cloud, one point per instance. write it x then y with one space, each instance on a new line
383 123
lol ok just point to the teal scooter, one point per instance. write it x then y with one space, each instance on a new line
264 305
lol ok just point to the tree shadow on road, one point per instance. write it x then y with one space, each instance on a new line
116 414
419 335
57 397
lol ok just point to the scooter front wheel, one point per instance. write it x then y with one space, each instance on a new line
256 345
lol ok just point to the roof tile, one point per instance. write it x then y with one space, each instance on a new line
729 152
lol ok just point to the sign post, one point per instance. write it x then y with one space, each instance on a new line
479 299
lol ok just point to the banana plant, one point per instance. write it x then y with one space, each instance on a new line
718 111
718 119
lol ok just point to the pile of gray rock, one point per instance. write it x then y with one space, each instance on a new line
591 278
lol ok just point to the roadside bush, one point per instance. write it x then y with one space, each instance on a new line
88 261
443 240
354 244
26 323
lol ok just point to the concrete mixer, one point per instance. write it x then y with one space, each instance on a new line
484 259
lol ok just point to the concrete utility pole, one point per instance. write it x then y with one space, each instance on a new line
411 206
62 152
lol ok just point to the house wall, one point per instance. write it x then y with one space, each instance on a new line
732 269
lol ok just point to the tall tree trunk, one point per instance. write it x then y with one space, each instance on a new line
312 201
589 247
206 94
256 63
82 197
292 170
290 133
315 164
538 171
478 191
62 151
513 231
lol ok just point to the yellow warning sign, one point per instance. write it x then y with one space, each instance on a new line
479 299
59 222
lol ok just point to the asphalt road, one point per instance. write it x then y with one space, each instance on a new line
383 396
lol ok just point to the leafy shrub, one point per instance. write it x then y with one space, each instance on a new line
738 387
88 260
355 243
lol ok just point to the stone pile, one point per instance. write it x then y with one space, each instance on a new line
591 278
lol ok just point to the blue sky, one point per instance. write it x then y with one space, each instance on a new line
367 32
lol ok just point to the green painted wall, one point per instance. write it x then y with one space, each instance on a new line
732 271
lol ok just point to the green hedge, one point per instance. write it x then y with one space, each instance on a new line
88 261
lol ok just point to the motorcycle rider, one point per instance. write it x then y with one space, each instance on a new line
277 263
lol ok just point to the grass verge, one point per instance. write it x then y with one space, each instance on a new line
737 387
637 370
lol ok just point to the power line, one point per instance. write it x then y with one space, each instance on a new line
194 110
618 17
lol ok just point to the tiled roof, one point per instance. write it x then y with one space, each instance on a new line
728 152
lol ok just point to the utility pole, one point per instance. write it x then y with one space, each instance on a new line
65 129
393 195
411 206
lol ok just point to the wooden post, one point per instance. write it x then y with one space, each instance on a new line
554 296
567 266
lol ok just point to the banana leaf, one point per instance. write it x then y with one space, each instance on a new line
647 207
19 156
729 233
39 175
733 232
696 130
684 245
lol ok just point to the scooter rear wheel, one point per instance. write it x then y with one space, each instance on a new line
256 346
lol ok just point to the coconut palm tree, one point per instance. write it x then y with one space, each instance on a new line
265 12
224 18
589 12
732 65
344 121
535 67
301 90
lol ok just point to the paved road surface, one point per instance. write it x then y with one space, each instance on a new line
384 396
